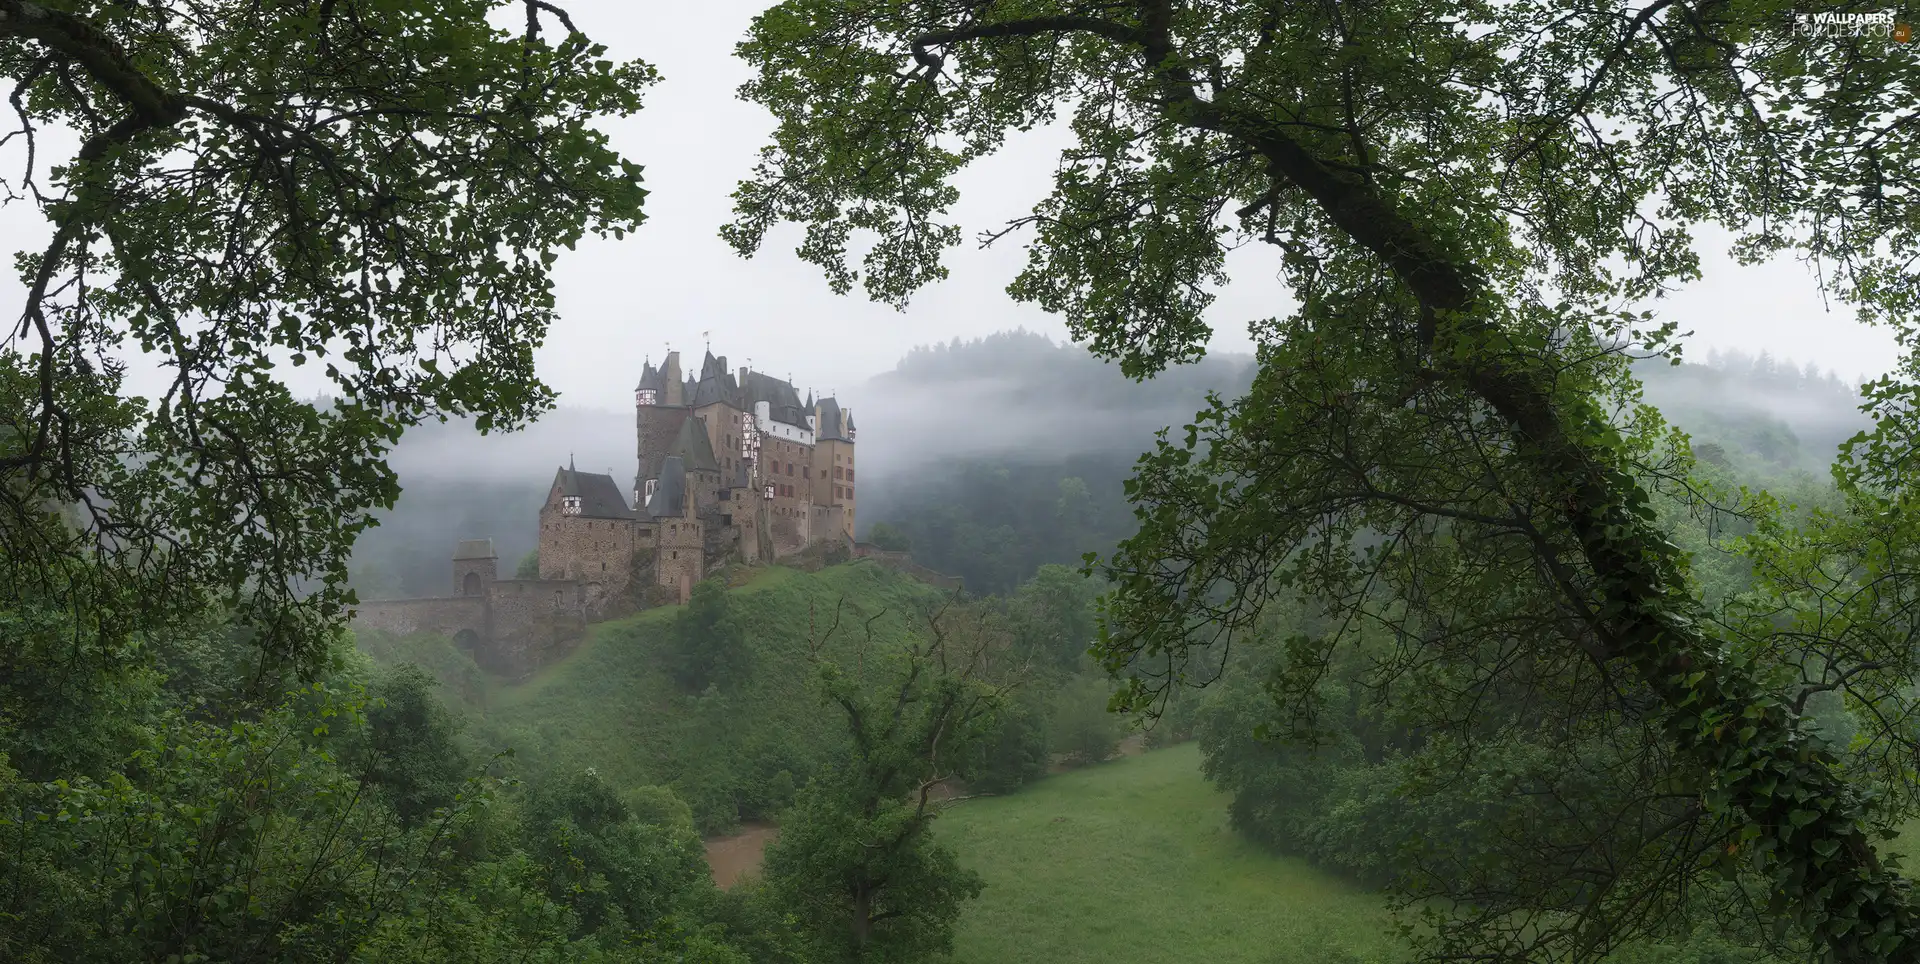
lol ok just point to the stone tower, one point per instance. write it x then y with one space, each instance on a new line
475 567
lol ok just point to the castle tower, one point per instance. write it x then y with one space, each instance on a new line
475 567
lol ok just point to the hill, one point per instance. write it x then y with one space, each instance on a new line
612 705
1134 860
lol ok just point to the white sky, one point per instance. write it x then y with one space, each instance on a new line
624 300
675 278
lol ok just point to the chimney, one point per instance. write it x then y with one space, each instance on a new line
675 384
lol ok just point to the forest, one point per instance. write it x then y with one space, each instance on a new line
1475 613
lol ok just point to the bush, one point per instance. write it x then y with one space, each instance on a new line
658 806
886 536
1084 731
1014 754
707 643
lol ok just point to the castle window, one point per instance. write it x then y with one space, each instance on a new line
849 491
838 472
806 471
570 505
838 492
603 567
849 475
676 554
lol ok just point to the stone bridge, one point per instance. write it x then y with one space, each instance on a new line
509 626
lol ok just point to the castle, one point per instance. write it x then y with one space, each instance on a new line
732 468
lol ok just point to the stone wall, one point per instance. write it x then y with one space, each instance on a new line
902 561
446 615
867 550
597 553
535 622
483 571
679 554
656 427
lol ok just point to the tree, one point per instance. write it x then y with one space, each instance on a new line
887 537
1055 613
529 567
856 861
707 645
1443 437
408 747
375 191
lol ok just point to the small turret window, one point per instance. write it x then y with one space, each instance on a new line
570 505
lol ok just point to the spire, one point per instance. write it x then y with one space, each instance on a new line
570 462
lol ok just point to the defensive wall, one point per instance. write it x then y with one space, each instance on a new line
901 561
509 626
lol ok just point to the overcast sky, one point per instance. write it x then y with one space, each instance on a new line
622 301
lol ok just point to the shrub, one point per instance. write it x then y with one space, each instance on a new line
1084 730
885 535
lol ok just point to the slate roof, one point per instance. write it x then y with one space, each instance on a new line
600 496
834 421
693 446
670 492
715 384
474 549
761 387
651 377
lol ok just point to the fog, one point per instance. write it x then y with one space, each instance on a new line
1014 396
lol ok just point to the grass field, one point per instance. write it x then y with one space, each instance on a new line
1134 861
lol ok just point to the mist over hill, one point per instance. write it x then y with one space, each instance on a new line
999 454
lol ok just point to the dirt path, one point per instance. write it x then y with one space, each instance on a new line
738 855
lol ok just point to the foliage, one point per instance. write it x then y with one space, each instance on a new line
462 679
408 748
856 861
707 645
1016 749
613 869
1057 618
529 567
886 536
1444 448
1083 729
359 186
738 753
994 522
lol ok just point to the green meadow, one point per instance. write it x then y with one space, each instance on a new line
1133 861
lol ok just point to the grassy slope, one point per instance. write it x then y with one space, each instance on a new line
609 706
1134 861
